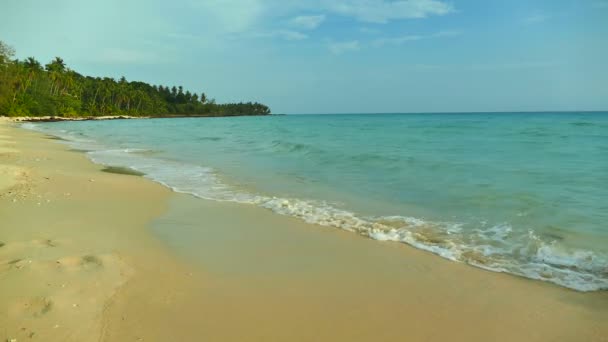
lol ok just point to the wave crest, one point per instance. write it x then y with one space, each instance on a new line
496 248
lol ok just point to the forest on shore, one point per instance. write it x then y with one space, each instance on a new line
27 88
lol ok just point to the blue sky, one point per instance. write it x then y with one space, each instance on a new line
335 56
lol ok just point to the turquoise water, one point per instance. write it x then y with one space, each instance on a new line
523 193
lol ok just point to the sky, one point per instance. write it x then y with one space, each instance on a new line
334 56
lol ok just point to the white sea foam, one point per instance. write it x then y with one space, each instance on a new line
30 126
492 247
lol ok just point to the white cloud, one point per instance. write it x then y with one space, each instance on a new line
208 20
409 38
397 40
231 16
290 35
382 11
283 34
446 33
237 16
308 22
536 18
338 48
369 30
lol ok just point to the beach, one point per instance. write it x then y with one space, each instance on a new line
87 255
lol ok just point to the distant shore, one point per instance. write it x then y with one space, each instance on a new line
80 118
81 260
55 89
107 117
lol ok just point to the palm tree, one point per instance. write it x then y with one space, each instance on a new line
59 64
33 67
32 64
174 92
55 68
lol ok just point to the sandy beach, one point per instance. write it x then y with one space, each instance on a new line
87 255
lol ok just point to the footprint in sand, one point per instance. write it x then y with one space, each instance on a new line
18 255
16 263
37 307
46 243
91 260
86 263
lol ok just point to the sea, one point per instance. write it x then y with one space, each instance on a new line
520 193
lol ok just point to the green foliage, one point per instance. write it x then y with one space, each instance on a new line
28 89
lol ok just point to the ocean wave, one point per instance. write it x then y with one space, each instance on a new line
493 248
209 138
73 138
582 123
291 147
498 247
535 133
30 126
373 158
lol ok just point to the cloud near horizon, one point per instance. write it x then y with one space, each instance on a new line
308 22
536 18
408 38
231 16
283 34
338 48
380 11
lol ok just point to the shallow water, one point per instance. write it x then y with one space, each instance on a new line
524 193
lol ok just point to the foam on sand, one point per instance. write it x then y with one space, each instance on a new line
492 247
85 262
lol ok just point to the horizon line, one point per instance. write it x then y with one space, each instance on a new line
459 112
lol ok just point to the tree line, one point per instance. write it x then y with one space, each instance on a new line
27 88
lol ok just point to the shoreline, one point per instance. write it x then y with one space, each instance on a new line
111 117
548 256
78 118
234 272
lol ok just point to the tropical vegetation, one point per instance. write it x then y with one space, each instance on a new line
27 88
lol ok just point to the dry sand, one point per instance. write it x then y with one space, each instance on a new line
78 262
10 175
64 231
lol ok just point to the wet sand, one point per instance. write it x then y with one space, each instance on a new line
88 255
275 278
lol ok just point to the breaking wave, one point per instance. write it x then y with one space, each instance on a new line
497 248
